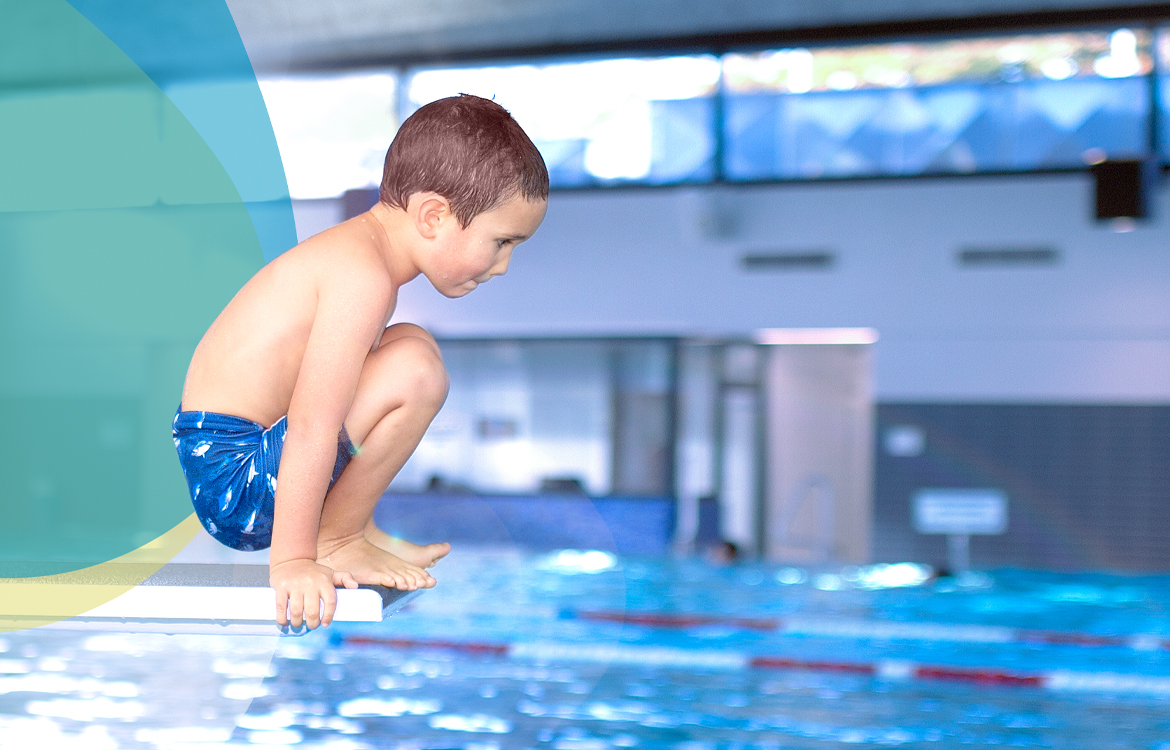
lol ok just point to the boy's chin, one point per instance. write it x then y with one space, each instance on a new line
459 291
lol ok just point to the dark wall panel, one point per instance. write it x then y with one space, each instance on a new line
1088 485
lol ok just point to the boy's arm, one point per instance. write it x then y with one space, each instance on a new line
348 317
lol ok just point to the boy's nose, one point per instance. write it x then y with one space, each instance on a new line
501 266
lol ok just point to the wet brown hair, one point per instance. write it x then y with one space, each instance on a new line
468 150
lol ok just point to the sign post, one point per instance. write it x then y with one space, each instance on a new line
959 513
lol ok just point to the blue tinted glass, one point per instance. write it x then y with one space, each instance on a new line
1163 58
682 148
1164 114
1011 103
682 140
1035 124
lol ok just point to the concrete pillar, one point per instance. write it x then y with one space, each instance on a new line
818 454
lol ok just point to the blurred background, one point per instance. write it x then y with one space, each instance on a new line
829 406
932 189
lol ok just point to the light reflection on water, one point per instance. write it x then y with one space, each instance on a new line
107 691
104 691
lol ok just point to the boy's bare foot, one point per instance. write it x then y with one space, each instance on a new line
423 557
370 564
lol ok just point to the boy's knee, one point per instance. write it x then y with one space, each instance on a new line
409 330
418 360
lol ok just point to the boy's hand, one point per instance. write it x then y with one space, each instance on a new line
302 586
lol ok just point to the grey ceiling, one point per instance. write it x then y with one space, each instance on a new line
285 35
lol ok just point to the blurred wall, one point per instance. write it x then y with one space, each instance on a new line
1092 327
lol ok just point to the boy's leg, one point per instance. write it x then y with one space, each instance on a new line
402 386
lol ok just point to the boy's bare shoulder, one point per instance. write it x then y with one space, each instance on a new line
347 257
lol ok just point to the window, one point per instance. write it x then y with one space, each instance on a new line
1163 49
332 131
1012 103
601 122
527 416
964 105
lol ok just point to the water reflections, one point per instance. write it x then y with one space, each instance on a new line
471 723
61 690
391 707
118 692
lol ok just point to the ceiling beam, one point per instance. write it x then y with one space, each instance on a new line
302 35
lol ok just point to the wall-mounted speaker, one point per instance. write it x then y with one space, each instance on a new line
1122 189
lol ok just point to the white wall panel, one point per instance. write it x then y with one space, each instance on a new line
1094 327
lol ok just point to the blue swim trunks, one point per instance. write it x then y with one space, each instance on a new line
231 465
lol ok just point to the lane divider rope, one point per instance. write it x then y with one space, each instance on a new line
885 669
880 630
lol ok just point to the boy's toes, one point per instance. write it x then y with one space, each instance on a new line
437 552
420 577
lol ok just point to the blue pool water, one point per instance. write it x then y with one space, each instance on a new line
555 651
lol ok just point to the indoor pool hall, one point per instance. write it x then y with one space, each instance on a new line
817 395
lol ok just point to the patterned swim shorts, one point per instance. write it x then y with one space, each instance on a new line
231 466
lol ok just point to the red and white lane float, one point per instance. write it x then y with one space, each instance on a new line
724 660
878 630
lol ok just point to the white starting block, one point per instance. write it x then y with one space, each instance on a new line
198 598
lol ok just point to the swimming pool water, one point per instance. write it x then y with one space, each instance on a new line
581 651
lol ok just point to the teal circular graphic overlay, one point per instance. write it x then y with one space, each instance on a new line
140 187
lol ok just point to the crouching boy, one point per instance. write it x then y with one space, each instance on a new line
300 404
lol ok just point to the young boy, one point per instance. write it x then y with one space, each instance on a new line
300 404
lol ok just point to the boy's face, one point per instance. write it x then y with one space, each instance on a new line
473 254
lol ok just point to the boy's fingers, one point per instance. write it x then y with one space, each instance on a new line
312 610
329 599
296 607
281 608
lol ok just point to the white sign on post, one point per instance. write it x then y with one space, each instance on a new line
958 513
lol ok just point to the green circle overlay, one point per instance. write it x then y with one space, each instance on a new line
122 236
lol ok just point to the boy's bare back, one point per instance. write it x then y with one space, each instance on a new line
249 361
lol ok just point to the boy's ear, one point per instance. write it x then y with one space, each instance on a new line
432 213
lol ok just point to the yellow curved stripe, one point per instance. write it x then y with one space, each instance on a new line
42 600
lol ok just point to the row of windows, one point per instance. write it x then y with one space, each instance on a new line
1008 103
